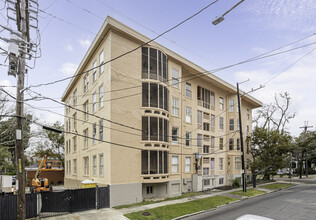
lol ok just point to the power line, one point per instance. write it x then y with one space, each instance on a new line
207 72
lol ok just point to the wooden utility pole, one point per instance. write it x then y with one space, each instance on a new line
19 148
305 127
244 187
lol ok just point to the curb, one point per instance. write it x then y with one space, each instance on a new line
221 206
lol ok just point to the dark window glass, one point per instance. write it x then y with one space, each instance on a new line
166 131
159 66
153 128
153 95
165 72
165 162
160 162
144 162
145 95
166 98
144 128
161 88
160 129
199 93
145 63
153 63
153 162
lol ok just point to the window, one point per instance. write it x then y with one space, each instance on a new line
220 165
199 140
101 93
75 121
75 143
248 114
203 96
101 130
206 126
66 147
238 144
86 166
86 83
237 163
212 142
85 142
221 181
94 162
231 144
175 78
75 97
94 133
150 160
237 124
199 119
221 123
175 106
206 182
247 129
206 116
154 95
206 149
188 164
206 171
231 124
174 164
221 143
206 138
221 103
228 163
94 75
188 139
188 114
175 135
213 99
206 160
154 61
188 90
149 190
75 166
247 147
213 122
86 110
101 164
101 57
231 105
212 163
155 129
69 146
94 102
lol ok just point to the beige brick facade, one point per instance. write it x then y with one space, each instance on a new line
170 110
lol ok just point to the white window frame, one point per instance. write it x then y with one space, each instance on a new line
221 164
86 166
101 165
75 166
85 141
188 139
188 90
101 95
188 164
174 164
188 114
231 124
221 103
175 78
94 133
94 102
94 165
231 105
176 137
86 110
86 83
175 106
221 123
94 75
101 60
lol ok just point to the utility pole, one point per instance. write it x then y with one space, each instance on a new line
305 127
244 187
19 149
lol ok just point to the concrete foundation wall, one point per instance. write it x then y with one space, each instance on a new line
187 185
159 190
174 188
122 194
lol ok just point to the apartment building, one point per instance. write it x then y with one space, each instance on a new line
150 123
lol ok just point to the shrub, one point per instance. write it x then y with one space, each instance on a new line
236 183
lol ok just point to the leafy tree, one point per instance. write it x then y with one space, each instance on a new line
5 163
305 145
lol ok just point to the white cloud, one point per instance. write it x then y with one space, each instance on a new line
68 48
85 43
68 68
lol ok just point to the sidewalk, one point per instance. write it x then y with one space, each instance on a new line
118 214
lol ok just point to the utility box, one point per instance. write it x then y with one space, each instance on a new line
88 184
5 183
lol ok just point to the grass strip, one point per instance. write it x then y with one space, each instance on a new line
249 193
176 210
276 186
184 195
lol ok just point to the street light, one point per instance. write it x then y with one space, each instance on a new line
221 18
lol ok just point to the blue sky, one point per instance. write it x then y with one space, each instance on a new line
252 28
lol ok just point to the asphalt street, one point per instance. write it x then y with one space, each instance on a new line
297 202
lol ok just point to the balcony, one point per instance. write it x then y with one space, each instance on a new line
155 178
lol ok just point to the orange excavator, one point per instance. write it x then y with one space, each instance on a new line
42 184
